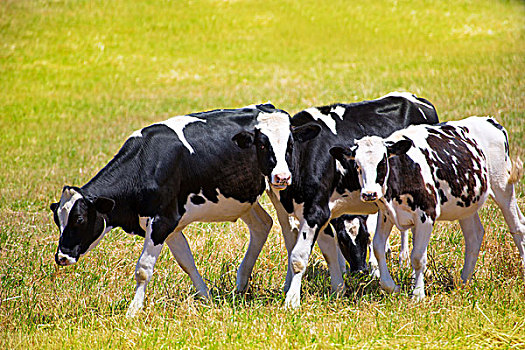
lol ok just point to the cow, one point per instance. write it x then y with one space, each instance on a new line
445 172
322 189
354 233
354 237
207 166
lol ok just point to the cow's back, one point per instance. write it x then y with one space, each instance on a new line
445 173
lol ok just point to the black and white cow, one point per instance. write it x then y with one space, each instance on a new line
425 174
185 169
322 189
354 235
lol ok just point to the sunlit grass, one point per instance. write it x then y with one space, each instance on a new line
78 77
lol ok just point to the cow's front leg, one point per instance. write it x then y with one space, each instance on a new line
144 270
331 252
421 237
259 223
384 226
298 262
182 253
290 231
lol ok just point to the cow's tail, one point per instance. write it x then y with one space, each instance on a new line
516 171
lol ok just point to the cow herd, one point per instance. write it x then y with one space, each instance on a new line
324 169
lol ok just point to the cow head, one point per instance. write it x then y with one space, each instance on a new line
273 139
353 239
370 157
82 224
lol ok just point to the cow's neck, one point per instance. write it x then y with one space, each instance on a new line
114 181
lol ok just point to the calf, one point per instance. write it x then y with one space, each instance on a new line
182 170
423 174
354 233
322 189
354 237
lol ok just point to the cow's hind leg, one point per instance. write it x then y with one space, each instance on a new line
473 233
505 197
182 253
259 223
421 237
144 270
403 251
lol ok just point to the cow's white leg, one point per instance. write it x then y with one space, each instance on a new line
341 259
384 226
473 233
182 253
372 261
298 262
403 253
290 232
331 252
144 271
519 240
259 223
421 237
505 197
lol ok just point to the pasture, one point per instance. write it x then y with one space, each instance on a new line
77 77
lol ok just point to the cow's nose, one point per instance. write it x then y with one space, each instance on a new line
62 260
283 178
369 196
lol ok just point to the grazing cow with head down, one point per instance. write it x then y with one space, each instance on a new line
209 166
354 234
322 189
423 174
354 237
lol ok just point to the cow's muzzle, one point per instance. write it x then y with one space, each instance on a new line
64 259
281 181
369 196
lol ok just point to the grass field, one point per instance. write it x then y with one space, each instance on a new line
77 77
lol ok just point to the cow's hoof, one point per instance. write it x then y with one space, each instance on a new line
418 295
390 288
133 309
292 301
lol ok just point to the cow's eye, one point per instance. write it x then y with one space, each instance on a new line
261 147
80 220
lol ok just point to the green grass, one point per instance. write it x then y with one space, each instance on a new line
77 77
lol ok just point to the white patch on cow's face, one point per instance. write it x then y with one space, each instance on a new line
178 124
276 126
339 111
67 201
340 168
326 119
65 259
352 228
408 96
369 153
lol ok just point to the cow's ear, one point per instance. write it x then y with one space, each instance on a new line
244 139
53 207
398 148
104 205
305 132
342 153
